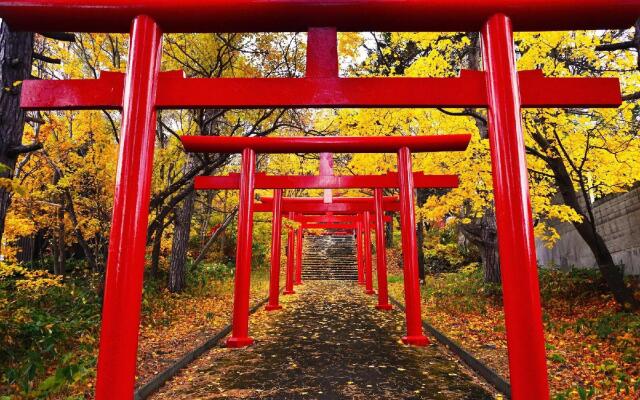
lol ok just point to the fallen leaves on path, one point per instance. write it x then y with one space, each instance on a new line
179 323
581 364
329 342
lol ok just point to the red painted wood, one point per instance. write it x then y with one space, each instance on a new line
412 299
291 244
310 208
326 219
276 244
326 170
263 181
297 16
521 295
322 53
299 255
355 144
177 92
536 91
366 227
345 226
241 295
127 244
501 89
360 251
320 200
381 254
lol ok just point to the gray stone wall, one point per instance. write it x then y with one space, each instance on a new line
618 221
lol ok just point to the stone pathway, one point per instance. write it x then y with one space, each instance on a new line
329 342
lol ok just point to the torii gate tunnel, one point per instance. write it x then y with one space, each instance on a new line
353 221
405 179
143 89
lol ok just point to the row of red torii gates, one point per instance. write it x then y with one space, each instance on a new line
144 89
405 179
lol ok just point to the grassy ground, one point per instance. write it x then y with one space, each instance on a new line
49 327
593 349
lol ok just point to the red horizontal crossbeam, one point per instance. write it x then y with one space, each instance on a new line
263 181
322 208
327 226
297 15
176 92
356 144
335 218
320 200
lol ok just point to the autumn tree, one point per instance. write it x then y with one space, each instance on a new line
16 52
584 154
213 56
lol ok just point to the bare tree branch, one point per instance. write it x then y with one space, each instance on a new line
63 36
43 58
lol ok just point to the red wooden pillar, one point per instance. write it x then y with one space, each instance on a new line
381 254
276 242
415 335
367 253
291 244
523 319
240 333
359 253
125 265
299 246
326 169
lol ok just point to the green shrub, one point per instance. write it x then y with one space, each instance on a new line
42 319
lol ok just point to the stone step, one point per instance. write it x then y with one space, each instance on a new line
327 257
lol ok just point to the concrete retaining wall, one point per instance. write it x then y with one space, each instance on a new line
618 219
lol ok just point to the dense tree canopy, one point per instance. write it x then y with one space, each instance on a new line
62 195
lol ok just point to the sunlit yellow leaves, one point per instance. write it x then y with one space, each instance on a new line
32 282
598 147
79 157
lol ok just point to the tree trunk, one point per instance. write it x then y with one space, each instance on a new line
59 246
489 249
420 226
219 232
223 234
206 216
26 244
586 228
155 250
179 247
388 232
483 234
86 249
16 51
421 197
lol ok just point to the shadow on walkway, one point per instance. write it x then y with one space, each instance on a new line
329 342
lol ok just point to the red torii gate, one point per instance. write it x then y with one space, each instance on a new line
249 146
404 179
143 90
349 221
356 227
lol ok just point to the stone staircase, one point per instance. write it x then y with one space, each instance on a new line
329 257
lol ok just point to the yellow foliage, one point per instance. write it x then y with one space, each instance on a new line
31 282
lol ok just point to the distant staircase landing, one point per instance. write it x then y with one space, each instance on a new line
329 257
